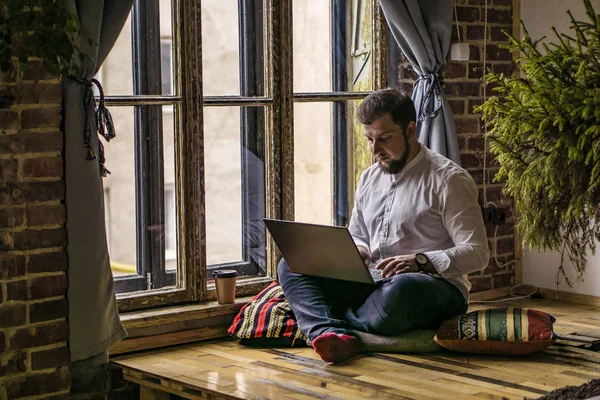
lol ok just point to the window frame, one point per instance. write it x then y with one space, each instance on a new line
278 101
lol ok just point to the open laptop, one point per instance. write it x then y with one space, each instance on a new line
320 250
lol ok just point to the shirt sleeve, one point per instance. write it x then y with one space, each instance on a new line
461 216
358 227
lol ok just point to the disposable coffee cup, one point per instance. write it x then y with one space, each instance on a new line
225 283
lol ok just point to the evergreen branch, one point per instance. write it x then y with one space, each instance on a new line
508 149
545 134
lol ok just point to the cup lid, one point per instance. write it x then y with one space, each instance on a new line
225 273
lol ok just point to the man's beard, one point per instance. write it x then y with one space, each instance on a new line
395 165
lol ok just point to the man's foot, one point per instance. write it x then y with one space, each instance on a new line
336 348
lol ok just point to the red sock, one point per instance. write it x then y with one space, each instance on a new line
336 348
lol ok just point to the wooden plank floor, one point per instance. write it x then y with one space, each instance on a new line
224 369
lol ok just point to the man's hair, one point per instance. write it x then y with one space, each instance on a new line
387 101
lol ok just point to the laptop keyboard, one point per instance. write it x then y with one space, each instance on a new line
376 274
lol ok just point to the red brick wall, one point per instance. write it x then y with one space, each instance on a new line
34 356
464 89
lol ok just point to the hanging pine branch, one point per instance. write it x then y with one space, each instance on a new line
544 129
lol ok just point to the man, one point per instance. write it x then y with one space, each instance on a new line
415 217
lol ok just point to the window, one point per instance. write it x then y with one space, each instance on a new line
329 148
146 107
201 158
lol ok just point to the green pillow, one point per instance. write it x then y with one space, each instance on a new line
417 341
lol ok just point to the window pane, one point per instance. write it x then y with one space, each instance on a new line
143 53
170 214
140 228
170 225
116 74
235 188
330 153
120 184
313 179
360 157
232 32
166 65
332 45
312 46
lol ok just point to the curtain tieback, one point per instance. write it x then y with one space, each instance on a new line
432 88
104 122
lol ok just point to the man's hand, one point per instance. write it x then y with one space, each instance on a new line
398 265
365 254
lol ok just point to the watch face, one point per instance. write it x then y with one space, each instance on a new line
421 259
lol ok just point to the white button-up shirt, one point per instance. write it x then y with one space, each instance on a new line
429 207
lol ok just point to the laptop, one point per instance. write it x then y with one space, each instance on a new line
321 250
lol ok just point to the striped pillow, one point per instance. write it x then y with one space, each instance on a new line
267 320
513 331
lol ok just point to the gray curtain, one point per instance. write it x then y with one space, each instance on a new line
422 30
93 316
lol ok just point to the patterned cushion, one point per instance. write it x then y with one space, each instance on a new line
267 320
513 331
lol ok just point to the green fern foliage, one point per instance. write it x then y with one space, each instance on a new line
544 129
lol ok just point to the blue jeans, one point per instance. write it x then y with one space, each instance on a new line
393 306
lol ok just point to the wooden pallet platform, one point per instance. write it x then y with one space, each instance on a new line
222 369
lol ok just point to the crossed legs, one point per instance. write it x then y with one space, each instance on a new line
327 310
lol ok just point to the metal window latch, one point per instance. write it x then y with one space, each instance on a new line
149 280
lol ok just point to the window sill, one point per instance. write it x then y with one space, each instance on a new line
169 326
167 315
